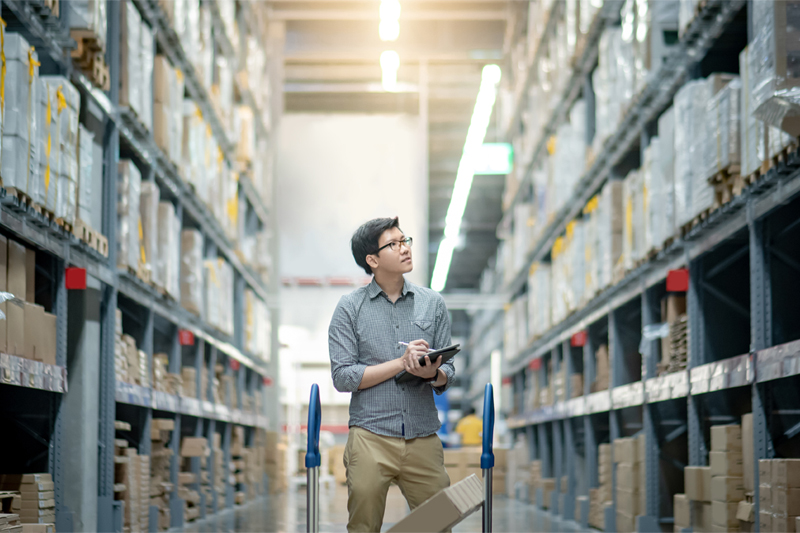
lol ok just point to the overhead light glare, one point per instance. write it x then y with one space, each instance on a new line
390 62
389 28
479 123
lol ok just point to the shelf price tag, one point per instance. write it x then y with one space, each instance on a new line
185 337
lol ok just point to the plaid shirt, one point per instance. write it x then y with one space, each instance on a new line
365 330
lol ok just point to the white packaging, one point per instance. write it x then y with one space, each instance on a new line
191 271
145 76
85 164
128 224
148 213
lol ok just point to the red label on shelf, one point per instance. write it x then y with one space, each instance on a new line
235 365
267 381
678 280
75 278
578 340
506 381
536 364
185 337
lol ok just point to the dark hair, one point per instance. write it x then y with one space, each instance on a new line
469 411
365 239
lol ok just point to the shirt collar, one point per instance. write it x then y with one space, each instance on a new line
373 289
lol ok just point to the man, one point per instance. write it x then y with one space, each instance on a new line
471 429
392 426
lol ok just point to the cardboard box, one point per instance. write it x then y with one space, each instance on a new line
765 520
765 471
30 275
15 314
47 340
193 446
34 321
46 495
27 488
163 424
786 473
626 451
746 512
628 502
695 480
628 475
724 514
16 480
38 504
765 498
726 438
786 501
748 454
38 528
163 77
727 489
672 307
625 522
726 464
446 509
682 507
783 523
723 529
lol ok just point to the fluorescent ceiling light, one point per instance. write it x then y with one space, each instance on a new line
390 62
481 115
389 29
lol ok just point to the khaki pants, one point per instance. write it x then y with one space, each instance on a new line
373 462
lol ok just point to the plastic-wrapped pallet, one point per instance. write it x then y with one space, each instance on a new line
131 69
230 193
245 132
634 31
539 305
258 329
147 56
634 242
689 128
686 14
611 225
576 251
653 190
605 80
204 65
222 93
775 76
129 189
19 115
666 171
89 15
521 318
192 271
722 141
510 347
60 169
561 295
167 260
591 257
523 222
193 148
148 213
85 166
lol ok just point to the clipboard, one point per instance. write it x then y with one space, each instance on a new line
445 353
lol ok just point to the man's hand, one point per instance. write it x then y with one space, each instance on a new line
414 351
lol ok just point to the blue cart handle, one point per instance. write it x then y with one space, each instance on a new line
487 457
313 458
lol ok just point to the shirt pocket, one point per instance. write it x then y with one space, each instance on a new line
424 330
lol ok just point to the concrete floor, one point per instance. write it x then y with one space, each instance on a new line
286 513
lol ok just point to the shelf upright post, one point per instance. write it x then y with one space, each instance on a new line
212 428
698 454
558 440
760 336
650 521
590 438
175 503
55 466
199 352
569 436
106 401
145 443
616 365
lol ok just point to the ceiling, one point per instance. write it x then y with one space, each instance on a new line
332 54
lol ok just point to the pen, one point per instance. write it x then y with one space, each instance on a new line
406 344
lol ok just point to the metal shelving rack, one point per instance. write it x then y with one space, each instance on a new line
157 319
744 353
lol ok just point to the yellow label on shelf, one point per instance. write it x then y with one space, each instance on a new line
48 121
62 102
558 247
551 145
591 205
179 75
629 221
570 230
506 307
532 270
142 254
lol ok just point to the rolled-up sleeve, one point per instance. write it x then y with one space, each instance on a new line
346 371
442 340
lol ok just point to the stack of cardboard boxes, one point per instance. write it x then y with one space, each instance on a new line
191 447
161 430
629 457
674 347
602 494
164 381
37 502
276 457
727 476
697 486
132 484
779 494
602 369
237 467
219 467
460 463
130 362
28 330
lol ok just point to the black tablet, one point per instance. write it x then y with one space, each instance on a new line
445 353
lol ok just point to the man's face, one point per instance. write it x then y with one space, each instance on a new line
396 258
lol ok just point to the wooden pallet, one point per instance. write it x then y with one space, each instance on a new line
89 56
144 274
54 6
22 199
769 164
88 43
727 184
66 226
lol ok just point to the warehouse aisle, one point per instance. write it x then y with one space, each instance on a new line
286 513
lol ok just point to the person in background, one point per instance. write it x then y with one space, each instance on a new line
471 429
376 332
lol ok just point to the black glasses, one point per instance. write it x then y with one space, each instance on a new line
395 245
